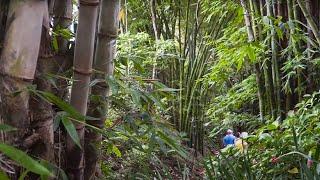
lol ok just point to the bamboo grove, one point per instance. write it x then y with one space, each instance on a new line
288 32
281 52
75 76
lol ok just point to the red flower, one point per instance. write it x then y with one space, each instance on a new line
274 160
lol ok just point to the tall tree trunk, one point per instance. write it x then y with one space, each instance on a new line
83 58
106 46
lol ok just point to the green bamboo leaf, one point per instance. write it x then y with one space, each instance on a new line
61 104
71 130
24 160
6 128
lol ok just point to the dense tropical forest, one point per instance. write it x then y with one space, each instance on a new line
151 89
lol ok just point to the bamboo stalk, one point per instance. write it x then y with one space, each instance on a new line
62 19
310 20
103 62
252 35
19 60
83 58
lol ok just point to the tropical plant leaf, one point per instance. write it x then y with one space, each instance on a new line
62 105
24 160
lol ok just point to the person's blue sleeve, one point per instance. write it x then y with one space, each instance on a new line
224 142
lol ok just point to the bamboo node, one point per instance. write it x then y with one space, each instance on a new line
89 3
107 35
83 72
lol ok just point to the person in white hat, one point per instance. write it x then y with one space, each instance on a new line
229 139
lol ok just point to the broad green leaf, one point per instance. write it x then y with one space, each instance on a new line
71 130
6 128
24 160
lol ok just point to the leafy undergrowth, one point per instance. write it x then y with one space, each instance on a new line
276 150
142 147
137 166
